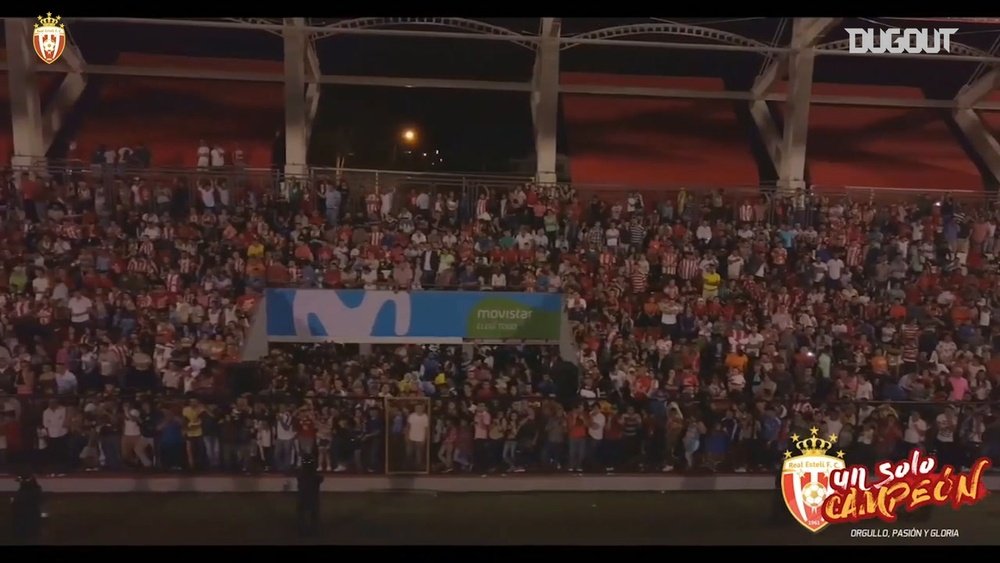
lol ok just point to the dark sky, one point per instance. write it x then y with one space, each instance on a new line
478 130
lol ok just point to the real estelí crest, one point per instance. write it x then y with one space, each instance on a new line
805 478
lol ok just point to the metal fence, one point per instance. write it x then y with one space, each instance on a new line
271 433
259 186
404 186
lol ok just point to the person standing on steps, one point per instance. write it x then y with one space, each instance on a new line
307 509
26 509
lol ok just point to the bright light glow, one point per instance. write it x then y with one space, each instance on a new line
410 135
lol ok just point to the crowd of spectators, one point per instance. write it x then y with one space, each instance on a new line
710 328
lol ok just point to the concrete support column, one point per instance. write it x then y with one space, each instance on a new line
296 131
800 77
25 102
797 68
545 101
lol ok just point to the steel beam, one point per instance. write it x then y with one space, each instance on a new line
768 131
815 30
972 94
523 38
827 51
791 175
429 34
313 71
25 102
807 32
499 86
296 124
980 138
312 88
70 90
545 100
597 42
262 26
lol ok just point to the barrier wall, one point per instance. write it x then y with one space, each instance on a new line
390 317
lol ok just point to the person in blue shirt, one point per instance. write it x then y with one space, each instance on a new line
371 441
770 427
171 441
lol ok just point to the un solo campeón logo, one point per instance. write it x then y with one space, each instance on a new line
820 489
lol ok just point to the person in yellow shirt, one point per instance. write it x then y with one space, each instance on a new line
710 282
255 250
192 431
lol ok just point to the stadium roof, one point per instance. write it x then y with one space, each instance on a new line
735 48
753 55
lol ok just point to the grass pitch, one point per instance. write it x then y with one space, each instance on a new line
599 518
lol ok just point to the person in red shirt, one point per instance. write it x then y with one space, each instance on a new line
305 431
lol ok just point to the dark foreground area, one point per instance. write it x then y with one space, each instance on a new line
701 518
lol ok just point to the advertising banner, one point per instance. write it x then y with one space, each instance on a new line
445 317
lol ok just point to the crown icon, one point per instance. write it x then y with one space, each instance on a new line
814 445
49 21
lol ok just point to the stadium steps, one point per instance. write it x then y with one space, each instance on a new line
647 143
883 146
171 115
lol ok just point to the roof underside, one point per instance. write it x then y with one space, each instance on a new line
437 57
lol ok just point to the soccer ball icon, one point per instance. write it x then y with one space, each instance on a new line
814 494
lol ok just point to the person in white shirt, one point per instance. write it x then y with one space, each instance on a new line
498 280
79 309
66 383
423 202
864 391
171 378
207 196
916 430
734 266
524 240
611 236
946 423
833 423
386 201
834 269
704 233
595 434
417 427
284 438
196 362
40 285
217 156
133 446
54 425
203 154
541 240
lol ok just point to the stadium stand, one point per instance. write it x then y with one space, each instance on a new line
711 326
711 322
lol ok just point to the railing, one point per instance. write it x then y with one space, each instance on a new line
485 435
257 186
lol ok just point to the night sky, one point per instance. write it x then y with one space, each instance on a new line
484 130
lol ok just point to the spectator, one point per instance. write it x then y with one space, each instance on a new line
754 317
